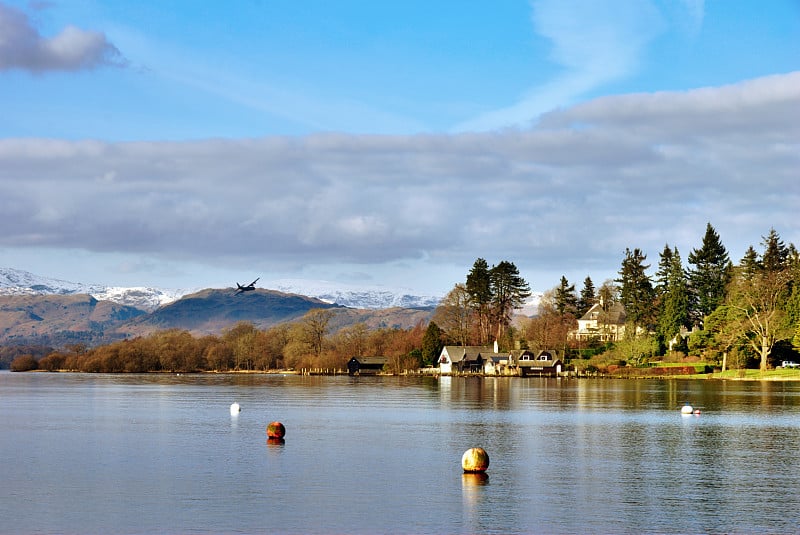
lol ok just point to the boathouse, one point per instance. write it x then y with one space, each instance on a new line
464 359
366 365
540 364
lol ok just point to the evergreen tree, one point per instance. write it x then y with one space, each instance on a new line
750 265
432 343
509 291
566 300
664 269
587 297
710 275
776 254
479 287
674 309
637 291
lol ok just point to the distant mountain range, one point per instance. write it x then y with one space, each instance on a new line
18 282
36 310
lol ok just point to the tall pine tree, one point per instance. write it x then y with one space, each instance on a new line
479 287
636 293
565 299
674 301
749 265
509 291
587 298
432 344
664 268
776 254
710 275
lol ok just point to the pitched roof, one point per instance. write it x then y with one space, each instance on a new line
615 313
371 360
468 353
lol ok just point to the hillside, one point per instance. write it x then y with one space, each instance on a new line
148 298
57 320
61 319
211 311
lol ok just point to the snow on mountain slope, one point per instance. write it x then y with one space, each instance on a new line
374 297
18 282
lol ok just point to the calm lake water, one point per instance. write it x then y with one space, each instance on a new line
162 454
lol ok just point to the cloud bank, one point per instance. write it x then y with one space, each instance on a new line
569 194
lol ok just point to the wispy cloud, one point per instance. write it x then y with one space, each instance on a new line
23 47
593 43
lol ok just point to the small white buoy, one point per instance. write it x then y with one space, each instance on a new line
235 409
687 409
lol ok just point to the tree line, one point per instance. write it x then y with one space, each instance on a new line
734 315
307 343
729 314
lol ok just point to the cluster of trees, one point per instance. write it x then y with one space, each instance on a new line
736 314
307 343
713 308
481 309
749 311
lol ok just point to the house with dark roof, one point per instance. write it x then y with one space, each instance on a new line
366 365
467 359
539 363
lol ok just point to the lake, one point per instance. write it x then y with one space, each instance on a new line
82 453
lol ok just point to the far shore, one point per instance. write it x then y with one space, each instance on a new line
786 375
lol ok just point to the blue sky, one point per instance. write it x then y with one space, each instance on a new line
185 144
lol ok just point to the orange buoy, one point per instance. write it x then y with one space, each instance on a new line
276 430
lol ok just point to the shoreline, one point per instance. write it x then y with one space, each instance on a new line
775 375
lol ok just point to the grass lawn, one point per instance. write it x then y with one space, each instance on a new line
777 374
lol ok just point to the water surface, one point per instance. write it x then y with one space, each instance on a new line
82 453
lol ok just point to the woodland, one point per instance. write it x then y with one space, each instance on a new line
736 316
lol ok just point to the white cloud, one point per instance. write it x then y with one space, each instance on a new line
22 47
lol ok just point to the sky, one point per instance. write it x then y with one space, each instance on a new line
189 144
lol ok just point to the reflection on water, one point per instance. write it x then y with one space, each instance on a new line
161 453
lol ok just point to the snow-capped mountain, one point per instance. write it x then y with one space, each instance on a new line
374 297
18 282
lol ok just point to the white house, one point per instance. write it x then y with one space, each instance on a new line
606 324
460 359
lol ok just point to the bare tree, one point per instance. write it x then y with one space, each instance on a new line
315 328
550 328
455 316
352 340
758 314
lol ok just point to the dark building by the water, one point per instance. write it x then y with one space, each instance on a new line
366 365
